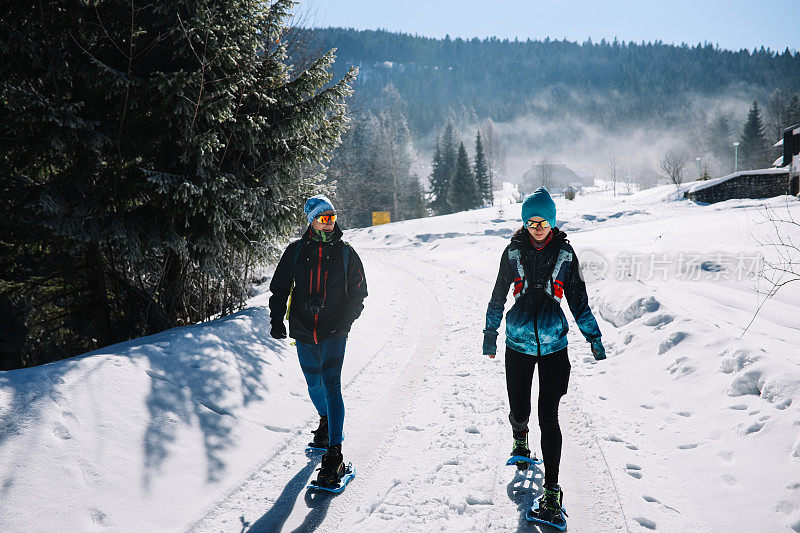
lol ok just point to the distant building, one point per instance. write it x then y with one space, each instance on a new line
791 157
558 175
763 183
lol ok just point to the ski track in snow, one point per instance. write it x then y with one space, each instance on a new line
427 431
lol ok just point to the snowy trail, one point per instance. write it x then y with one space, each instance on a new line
427 430
203 427
267 500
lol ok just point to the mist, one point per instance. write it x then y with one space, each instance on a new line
582 142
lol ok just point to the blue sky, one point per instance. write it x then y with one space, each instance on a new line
732 24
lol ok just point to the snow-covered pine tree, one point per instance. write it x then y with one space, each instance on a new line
463 193
156 153
372 167
439 180
352 169
482 177
444 165
754 149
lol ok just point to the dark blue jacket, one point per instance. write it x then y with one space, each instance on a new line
536 325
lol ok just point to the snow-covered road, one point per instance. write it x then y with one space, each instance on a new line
427 428
689 425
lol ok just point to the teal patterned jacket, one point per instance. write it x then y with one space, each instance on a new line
536 325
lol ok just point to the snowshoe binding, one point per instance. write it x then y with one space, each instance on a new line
521 454
320 442
333 475
548 509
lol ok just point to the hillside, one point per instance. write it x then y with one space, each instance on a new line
611 83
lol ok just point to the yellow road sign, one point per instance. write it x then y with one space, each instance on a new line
381 217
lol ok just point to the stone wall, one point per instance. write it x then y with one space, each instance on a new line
743 186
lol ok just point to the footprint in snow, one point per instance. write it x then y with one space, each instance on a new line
645 522
754 427
156 375
98 516
276 429
783 404
684 413
614 438
687 446
738 407
61 431
647 406
671 341
658 321
633 470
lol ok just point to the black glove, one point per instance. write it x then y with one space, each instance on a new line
278 330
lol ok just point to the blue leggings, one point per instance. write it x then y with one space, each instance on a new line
322 367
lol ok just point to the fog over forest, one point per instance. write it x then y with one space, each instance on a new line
580 104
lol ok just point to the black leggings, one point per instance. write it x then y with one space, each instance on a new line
553 380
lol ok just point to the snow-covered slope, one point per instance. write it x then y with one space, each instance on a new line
688 426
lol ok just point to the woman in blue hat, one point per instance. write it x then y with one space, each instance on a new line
324 277
543 268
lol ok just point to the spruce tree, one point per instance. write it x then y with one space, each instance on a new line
150 157
754 147
482 173
463 193
444 164
438 179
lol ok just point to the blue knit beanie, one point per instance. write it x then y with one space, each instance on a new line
316 205
539 204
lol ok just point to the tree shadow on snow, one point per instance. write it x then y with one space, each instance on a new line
523 490
196 371
197 376
26 393
317 502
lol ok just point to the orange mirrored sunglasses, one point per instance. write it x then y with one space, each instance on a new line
537 223
326 219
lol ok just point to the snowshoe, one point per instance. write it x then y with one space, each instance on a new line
320 442
548 510
521 454
333 475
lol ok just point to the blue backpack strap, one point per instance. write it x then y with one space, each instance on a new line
556 286
346 261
